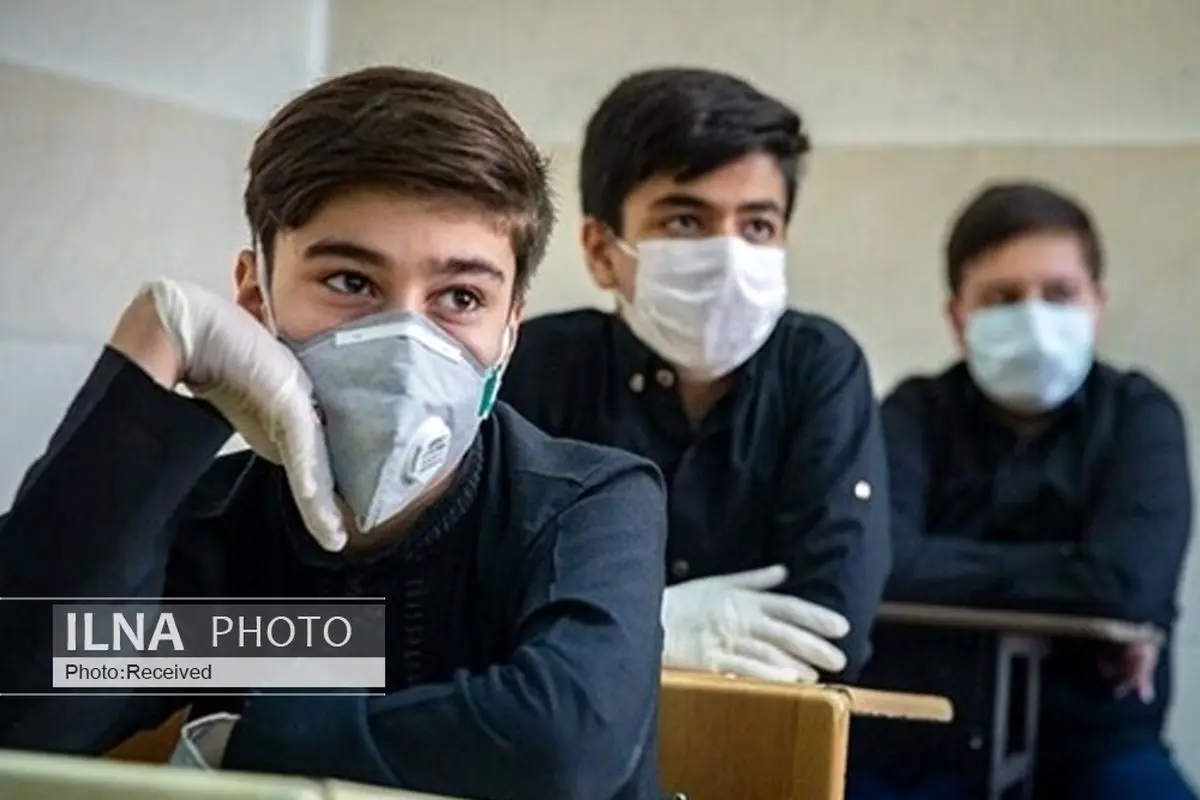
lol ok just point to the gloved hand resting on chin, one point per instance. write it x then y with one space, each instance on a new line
180 332
732 624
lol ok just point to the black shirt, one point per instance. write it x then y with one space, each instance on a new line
787 468
524 644
1089 516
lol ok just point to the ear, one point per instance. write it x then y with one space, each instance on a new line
248 293
509 344
596 239
957 318
1101 308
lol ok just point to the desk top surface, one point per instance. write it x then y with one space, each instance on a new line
860 702
1037 624
25 775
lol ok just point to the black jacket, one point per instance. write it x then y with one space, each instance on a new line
788 468
543 635
1090 516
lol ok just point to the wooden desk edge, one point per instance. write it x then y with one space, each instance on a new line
1005 621
859 701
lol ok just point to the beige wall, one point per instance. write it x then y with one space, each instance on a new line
862 71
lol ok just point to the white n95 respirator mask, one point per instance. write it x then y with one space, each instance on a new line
706 305
1030 357
401 401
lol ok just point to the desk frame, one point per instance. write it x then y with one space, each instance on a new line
1005 638
1011 754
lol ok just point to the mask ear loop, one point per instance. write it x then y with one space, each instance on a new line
491 383
630 250
625 247
506 347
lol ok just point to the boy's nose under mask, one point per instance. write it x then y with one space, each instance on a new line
401 401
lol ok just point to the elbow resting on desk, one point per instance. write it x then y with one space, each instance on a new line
1111 587
1089 580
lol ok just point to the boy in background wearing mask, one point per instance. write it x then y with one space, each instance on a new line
762 418
399 216
1033 476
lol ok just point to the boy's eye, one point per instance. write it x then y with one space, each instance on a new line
683 225
758 230
459 300
349 283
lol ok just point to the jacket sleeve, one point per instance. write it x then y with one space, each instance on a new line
830 527
92 519
1127 564
569 715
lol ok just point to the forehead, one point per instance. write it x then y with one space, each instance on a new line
406 230
1030 260
755 178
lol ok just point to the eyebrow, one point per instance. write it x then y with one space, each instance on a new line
680 200
367 256
343 248
458 266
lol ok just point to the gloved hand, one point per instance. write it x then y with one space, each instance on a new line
730 624
229 359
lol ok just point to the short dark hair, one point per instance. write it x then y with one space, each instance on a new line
1002 212
686 122
407 130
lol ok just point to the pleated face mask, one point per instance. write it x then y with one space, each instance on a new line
1030 357
401 402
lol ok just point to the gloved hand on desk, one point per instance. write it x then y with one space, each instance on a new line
733 624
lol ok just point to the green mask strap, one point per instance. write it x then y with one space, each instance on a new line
491 381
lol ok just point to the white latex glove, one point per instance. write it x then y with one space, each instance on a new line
730 624
229 359
202 742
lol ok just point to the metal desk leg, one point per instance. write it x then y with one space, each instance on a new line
1012 749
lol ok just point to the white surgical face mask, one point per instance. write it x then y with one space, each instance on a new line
402 402
1030 357
706 305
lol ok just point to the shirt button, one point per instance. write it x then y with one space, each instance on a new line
862 490
680 568
637 383
976 742
666 378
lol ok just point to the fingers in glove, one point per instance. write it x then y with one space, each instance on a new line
747 667
803 614
771 656
799 643
759 579
324 523
306 463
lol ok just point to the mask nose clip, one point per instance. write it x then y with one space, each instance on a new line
427 454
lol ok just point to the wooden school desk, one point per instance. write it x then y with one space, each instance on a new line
1013 645
741 739
36 776
720 738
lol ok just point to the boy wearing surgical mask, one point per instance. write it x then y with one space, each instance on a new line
762 418
1033 476
398 217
